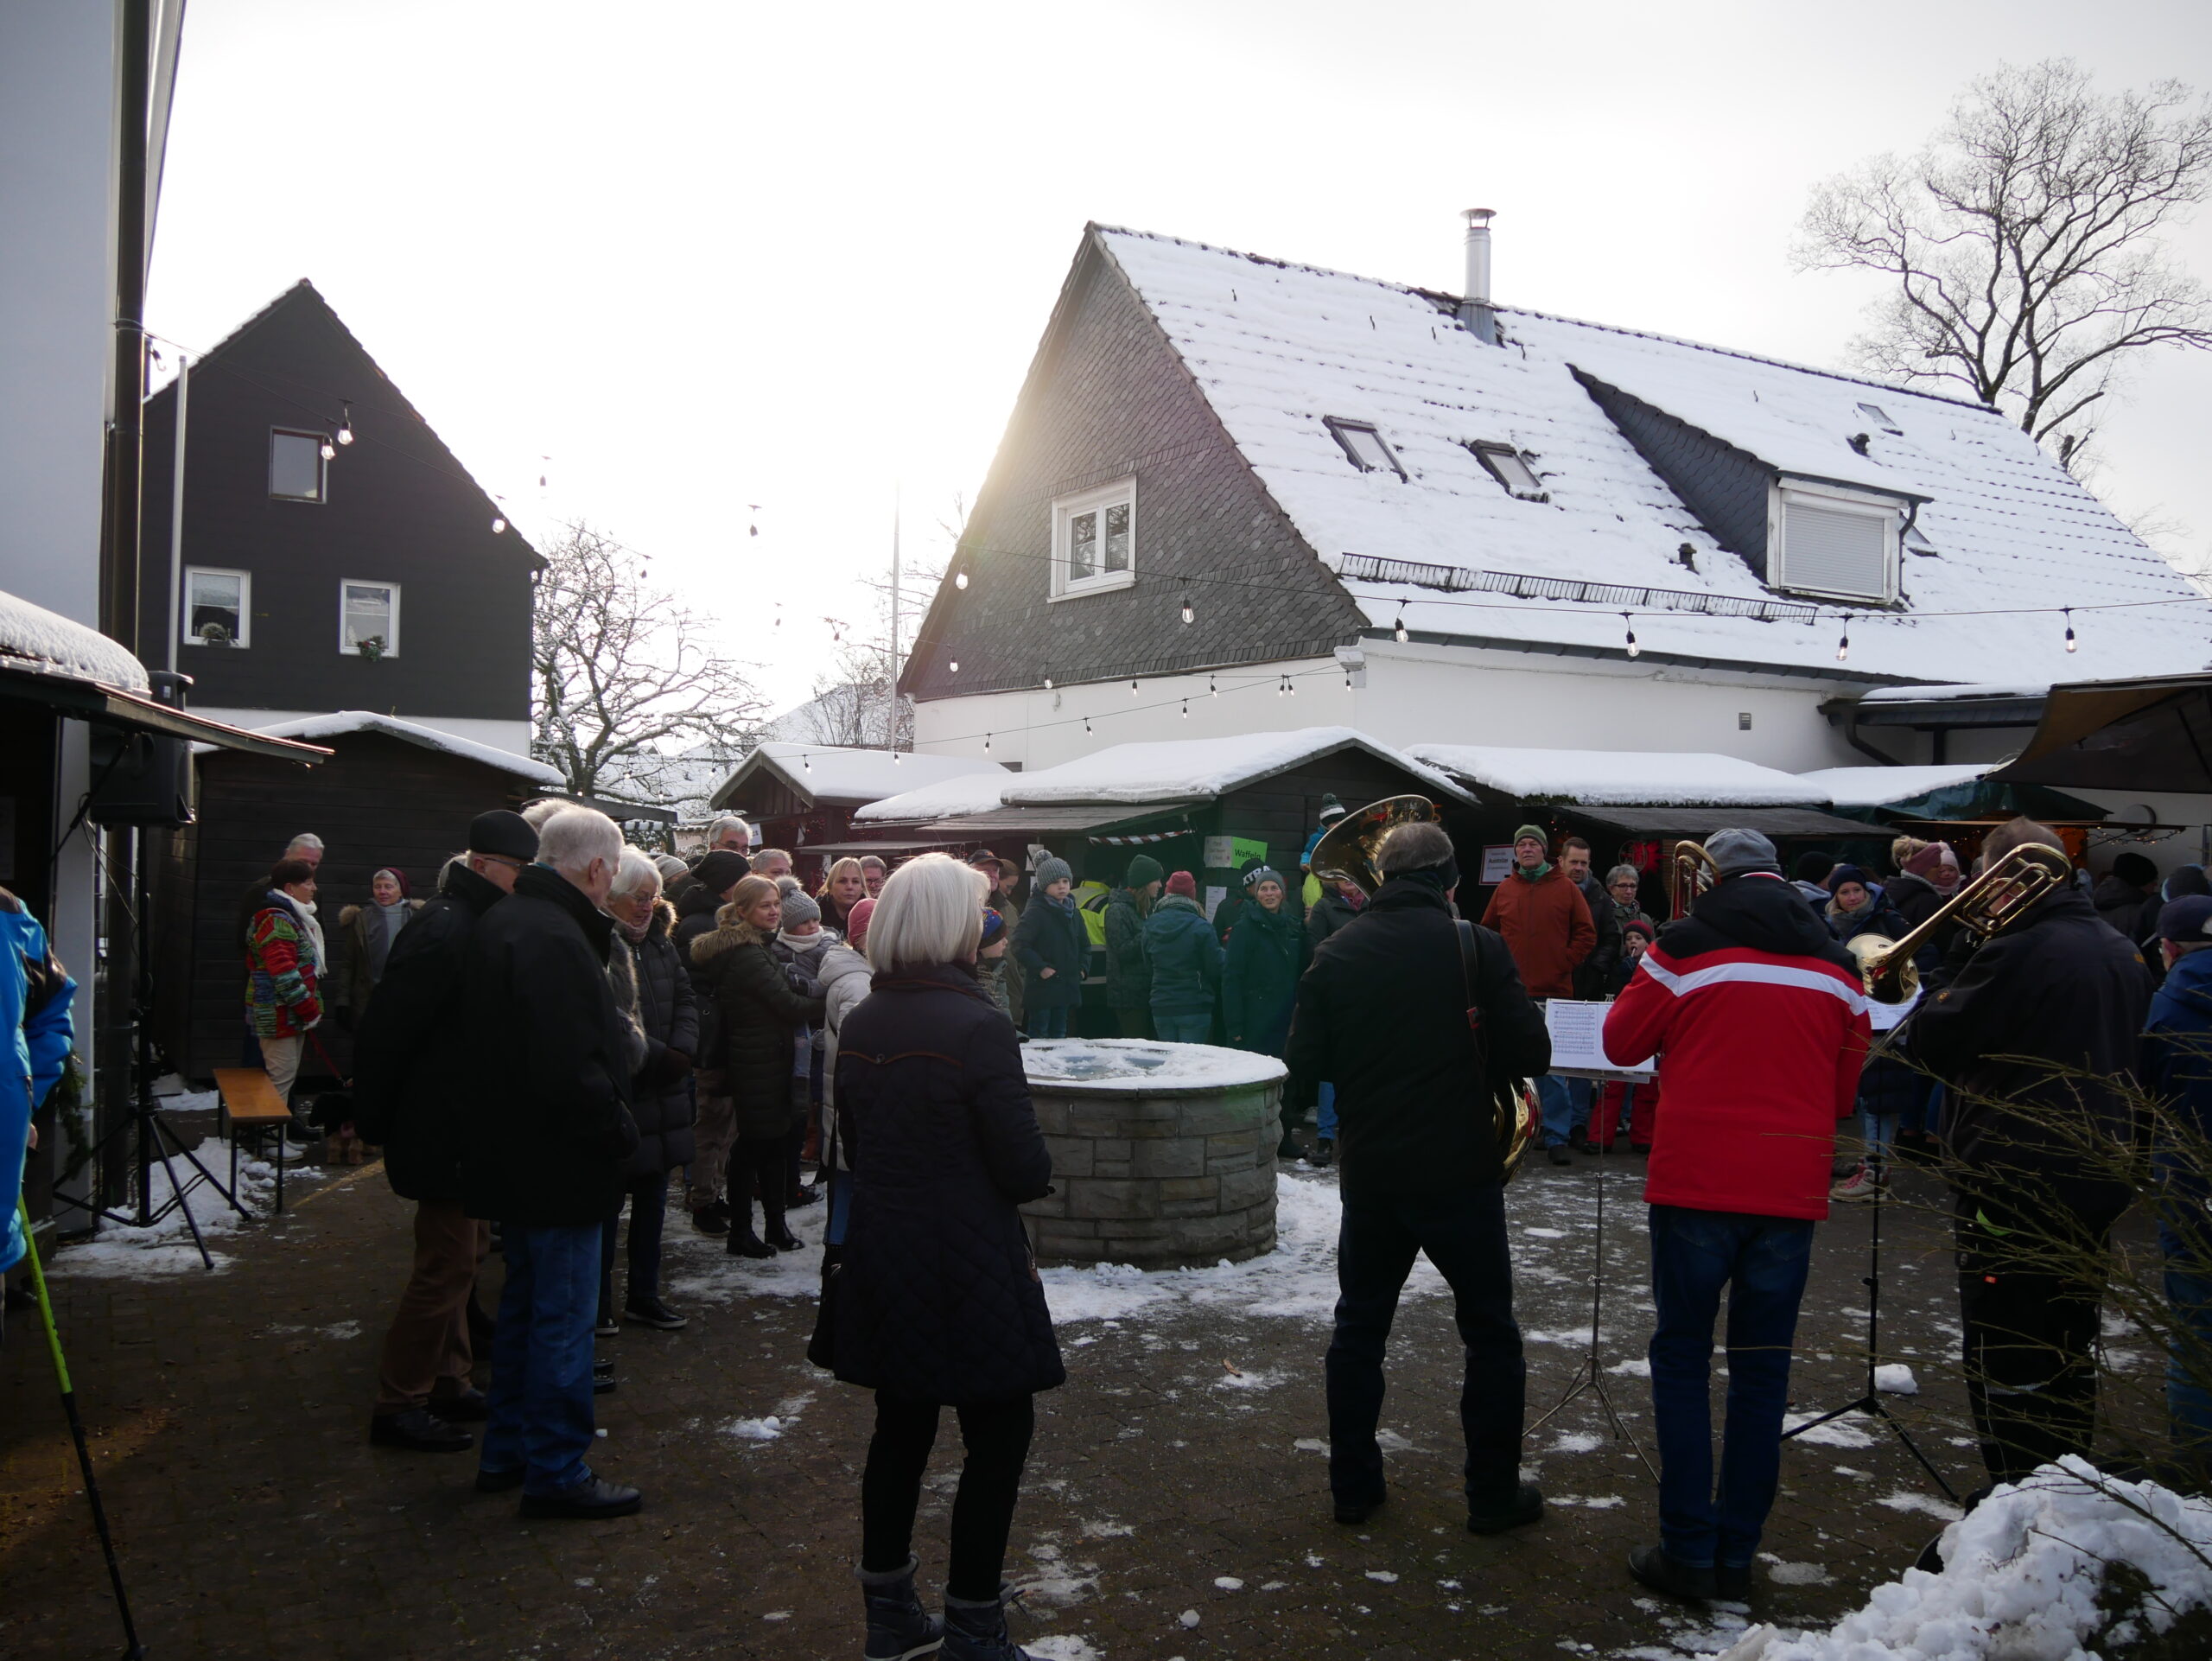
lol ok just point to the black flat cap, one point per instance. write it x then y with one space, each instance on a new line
502 832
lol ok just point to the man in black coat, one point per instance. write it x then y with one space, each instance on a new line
543 1140
1388 1013
2037 1035
714 1129
410 1060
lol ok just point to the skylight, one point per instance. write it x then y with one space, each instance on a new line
1366 448
1511 470
1879 417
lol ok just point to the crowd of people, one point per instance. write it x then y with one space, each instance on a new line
568 1026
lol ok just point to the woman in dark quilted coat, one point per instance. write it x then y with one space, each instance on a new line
937 1300
758 1014
660 1093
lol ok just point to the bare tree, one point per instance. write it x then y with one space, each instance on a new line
2024 243
624 672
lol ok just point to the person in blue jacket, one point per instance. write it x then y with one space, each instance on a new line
35 993
2177 1068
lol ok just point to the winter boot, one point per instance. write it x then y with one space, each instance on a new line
898 1628
976 1631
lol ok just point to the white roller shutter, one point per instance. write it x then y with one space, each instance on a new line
1831 550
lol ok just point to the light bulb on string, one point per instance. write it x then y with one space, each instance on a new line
1634 650
960 580
1212 692
329 449
754 529
806 765
345 429
1186 709
1281 686
1399 633
1086 723
1048 683
1189 615
1290 685
2072 645
953 664
498 528
1133 689
1843 646
986 743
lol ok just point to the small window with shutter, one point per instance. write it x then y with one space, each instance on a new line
1833 544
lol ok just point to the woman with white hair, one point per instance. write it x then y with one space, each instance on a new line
936 1300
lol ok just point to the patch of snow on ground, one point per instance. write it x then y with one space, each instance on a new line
1849 1431
1897 1379
700 1269
2022 1575
1228 1583
119 1251
1247 1378
1789 1574
1636 1367
1063 1646
1577 1442
1107 1530
1546 1233
1906 1499
1298 1279
1588 1502
766 1429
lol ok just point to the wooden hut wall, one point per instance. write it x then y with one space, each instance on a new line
378 802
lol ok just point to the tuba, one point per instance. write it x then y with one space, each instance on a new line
1989 905
1352 850
1690 872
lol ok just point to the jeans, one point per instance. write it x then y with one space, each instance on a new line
2188 1367
1880 1130
1582 1104
996 1435
1183 1029
1324 1112
1049 1023
539 1415
1552 1095
1464 1234
648 1198
1763 1261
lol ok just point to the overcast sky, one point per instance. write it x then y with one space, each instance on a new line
701 256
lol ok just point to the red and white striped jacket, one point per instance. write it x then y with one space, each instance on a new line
1759 1023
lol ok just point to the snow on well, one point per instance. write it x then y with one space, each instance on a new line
1622 777
339 723
1200 767
2022 1577
34 638
1139 1064
959 796
1880 787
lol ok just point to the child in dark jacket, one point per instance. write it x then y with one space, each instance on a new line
1052 947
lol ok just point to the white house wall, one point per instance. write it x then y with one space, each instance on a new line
1412 694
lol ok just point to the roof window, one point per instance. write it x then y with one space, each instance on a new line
1366 448
1880 418
1511 470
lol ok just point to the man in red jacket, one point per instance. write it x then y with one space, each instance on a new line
1759 1021
1547 926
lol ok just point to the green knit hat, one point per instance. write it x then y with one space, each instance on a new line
1142 870
1535 830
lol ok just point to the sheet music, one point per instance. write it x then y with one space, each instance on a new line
1578 1040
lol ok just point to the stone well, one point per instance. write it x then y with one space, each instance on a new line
1163 1154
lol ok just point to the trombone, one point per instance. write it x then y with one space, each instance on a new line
1690 872
1987 905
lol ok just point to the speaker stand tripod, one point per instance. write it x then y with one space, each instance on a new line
1871 1402
1589 1374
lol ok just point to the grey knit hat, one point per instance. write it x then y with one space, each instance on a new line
1259 874
1737 852
1050 870
798 908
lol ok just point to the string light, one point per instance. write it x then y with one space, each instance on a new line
498 528
806 765
754 529
1282 684
346 429
1048 683
1212 692
954 665
986 743
1186 709
960 580
1133 689
1189 615
1399 631
1843 646
2072 645
1086 723
1634 650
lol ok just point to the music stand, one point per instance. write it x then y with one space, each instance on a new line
1588 1374
1871 1401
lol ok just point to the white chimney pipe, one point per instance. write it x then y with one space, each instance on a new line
1475 308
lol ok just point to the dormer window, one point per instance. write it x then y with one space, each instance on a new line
1094 540
1826 540
1366 448
1511 469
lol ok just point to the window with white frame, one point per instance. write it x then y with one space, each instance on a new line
1095 540
1365 447
1831 541
297 472
218 606
368 619
1511 469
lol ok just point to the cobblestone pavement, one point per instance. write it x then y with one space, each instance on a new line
1176 1503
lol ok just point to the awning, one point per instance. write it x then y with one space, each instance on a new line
2133 736
1063 818
109 706
1802 823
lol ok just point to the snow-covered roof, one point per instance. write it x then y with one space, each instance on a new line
339 723
1202 767
835 774
966 794
1956 691
1883 786
1622 777
33 637
1276 347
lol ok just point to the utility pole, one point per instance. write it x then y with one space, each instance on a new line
891 720
176 621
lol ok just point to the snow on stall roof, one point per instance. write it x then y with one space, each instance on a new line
1622 777
960 796
1948 691
1137 1064
31 637
835 773
1201 767
2022 1575
1275 347
340 722
1881 786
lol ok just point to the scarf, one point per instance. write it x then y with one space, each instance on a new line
1536 876
635 934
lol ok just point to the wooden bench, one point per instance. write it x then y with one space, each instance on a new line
256 1113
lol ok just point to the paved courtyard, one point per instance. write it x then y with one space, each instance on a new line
1176 1503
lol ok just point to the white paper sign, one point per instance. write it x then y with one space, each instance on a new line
1497 863
1577 1039
1887 1015
1221 854
1214 897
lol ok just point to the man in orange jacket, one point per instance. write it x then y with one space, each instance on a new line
1547 926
